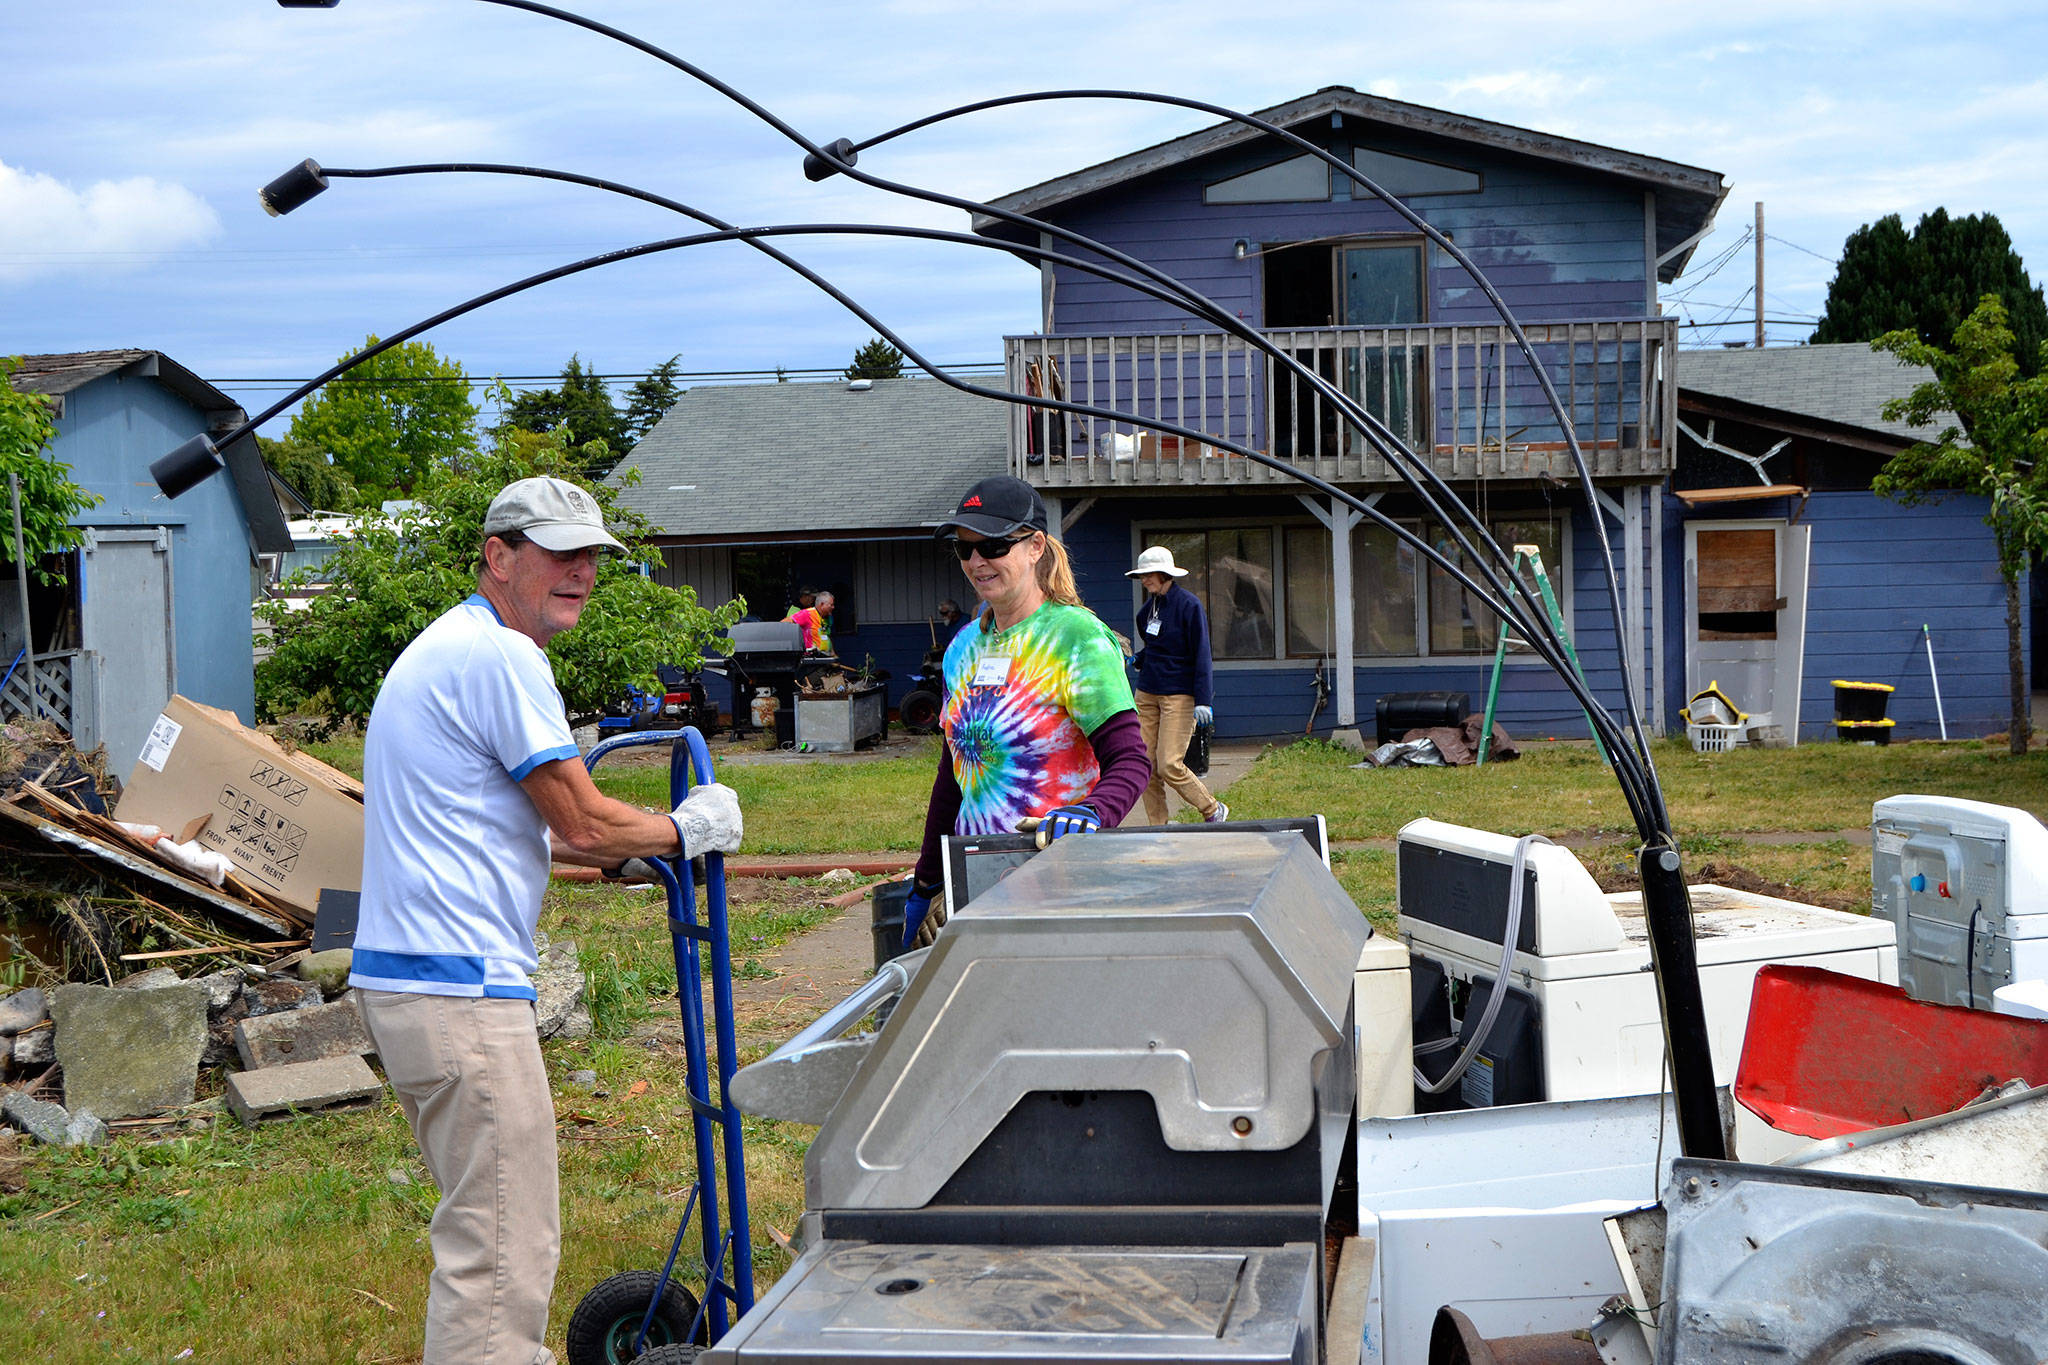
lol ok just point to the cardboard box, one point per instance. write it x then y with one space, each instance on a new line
1154 446
291 825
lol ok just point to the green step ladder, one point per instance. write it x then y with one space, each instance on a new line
1532 557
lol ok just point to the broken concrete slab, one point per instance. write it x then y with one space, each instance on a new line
155 978
282 1092
85 1130
307 1035
222 989
35 1047
559 985
127 1053
276 994
23 1009
40 1119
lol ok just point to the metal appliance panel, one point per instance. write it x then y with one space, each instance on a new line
1210 973
853 1301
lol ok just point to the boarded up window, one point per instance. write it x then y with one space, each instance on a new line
1738 585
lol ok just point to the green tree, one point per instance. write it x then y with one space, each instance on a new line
1928 281
310 472
582 409
49 499
651 396
876 360
1995 443
392 576
392 421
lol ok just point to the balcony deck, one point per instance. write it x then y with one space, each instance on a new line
1464 394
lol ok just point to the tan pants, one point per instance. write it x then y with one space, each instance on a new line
1168 723
471 1081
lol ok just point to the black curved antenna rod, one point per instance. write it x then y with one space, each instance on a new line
840 155
1546 649
821 161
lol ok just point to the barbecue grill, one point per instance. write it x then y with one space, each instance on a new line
765 654
1108 1118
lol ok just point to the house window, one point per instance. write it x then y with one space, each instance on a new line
1297 180
1402 606
1405 176
1231 570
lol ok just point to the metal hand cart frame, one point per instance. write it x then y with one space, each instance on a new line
721 1228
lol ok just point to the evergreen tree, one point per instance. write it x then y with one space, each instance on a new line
876 360
391 421
651 396
1927 282
582 405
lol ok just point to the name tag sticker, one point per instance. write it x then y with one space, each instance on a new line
1152 626
992 671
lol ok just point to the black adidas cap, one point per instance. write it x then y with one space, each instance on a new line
998 506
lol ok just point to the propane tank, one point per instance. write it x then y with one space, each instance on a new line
763 713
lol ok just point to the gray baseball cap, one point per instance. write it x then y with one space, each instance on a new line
552 513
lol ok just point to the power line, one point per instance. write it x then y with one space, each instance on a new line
682 377
1773 237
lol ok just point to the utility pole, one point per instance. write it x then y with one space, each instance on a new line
1759 274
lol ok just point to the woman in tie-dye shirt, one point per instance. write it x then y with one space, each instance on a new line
1039 720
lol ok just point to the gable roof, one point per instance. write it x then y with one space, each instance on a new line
813 460
1687 196
57 375
1843 383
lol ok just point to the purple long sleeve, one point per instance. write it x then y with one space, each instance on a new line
1119 752
939 818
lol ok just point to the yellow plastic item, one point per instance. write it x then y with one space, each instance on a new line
1713 690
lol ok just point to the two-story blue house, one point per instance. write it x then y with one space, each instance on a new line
157 601
1575 237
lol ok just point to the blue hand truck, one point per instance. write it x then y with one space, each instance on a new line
639 1315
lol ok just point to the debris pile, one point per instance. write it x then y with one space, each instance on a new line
85 1059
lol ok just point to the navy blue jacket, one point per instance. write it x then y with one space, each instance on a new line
1175 662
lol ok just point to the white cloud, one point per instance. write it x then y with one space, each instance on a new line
49 228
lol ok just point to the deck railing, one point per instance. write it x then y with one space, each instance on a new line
1465 395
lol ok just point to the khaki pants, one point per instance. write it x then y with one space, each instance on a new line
1168 723
469 1076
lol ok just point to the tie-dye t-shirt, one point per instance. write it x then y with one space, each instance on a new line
1020 705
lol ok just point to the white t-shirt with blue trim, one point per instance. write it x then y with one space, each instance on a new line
455 854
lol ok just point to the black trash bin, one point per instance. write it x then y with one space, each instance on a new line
1861 701
887 919
1400 712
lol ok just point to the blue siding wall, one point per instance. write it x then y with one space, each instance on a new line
1878 571
112 428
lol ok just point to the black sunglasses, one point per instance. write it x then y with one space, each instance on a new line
992 548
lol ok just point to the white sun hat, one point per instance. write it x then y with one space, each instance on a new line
1156 559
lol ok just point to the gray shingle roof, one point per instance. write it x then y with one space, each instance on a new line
752 460
1843 382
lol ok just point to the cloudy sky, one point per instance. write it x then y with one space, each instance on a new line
134 134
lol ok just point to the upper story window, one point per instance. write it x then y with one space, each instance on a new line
1298 180
1305 179
1405 176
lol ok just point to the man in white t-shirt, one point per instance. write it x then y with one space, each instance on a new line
471 781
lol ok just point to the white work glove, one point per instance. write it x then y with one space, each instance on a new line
708 821
1204 716
635 869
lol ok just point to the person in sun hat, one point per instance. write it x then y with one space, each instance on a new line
470 782
1175 688
1038 718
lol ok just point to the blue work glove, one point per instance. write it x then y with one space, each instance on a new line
1067 820
921 921
1205 716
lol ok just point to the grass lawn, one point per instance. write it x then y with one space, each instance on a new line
1557 789
306 1241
